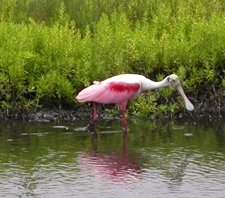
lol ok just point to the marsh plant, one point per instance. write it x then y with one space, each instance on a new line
49 50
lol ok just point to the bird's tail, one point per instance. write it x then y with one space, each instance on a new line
88 94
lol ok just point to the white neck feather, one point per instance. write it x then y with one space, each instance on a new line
150 85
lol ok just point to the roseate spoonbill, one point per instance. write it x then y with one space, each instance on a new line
122 88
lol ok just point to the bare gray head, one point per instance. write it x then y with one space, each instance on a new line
174 81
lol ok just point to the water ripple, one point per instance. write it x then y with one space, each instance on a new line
55 162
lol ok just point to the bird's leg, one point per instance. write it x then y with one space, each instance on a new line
92 122
94 112
123 108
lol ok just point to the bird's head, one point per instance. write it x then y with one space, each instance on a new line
174 81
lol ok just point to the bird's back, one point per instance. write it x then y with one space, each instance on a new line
117 89
126 78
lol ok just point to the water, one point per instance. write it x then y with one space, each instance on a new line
172 159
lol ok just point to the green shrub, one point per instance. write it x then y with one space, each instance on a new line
54 87
51 50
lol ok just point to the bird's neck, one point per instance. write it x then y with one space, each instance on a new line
156 85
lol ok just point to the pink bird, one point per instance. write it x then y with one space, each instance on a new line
122 88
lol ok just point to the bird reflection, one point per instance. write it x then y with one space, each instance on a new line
109 165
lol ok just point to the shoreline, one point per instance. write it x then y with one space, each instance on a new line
84 114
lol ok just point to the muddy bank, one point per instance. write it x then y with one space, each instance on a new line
209 103
211 112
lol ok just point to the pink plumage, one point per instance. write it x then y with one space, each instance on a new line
109 93
115 90
122 88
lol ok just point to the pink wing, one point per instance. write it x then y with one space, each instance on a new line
113 92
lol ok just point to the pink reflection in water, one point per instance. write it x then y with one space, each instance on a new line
111 165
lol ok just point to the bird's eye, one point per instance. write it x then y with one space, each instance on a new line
168 79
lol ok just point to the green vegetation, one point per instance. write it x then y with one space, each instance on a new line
49 50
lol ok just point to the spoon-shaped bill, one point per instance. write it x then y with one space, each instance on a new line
189 106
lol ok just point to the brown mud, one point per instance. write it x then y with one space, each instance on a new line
210 112
209 103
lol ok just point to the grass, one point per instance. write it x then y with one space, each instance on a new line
51 50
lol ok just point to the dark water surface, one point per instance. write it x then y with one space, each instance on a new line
172 159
